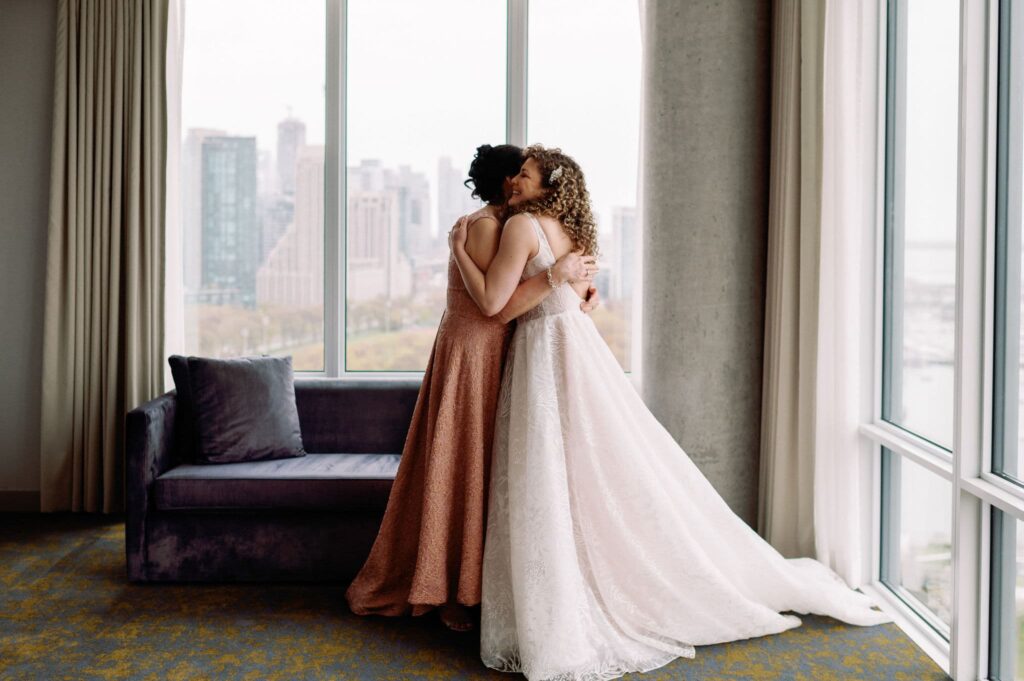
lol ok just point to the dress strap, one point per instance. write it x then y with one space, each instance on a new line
545 247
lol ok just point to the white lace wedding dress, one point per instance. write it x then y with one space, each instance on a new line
607 551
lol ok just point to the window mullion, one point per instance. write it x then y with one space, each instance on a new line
967 653
334 192
516 72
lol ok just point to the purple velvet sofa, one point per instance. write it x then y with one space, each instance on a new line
313 518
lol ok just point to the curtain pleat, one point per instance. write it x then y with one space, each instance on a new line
786 508
102 347
815 469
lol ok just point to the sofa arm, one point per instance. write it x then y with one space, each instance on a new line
149 451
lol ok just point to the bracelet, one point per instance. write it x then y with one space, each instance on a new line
551 280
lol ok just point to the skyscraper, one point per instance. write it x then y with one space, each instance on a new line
291 135
376 268
192 206
275 213
230 234
412 191
293 274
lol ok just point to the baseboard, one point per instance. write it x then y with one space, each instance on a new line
19 502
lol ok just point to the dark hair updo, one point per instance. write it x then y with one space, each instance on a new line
490 167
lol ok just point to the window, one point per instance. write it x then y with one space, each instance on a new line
252 179
418 106
324 148
575 111
916 550
948 432
919 308
921 220
1006 618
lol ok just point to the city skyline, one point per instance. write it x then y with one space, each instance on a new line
388 219
253 239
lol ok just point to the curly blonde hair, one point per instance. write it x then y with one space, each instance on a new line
567 200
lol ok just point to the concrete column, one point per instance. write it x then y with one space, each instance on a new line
707 85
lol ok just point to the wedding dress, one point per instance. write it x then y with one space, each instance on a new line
607 551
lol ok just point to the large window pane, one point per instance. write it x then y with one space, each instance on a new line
252 183
426 86
917 538
921 191
584 97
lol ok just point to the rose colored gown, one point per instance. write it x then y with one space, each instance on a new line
430 547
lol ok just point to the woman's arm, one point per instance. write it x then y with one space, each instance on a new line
530 293
482 239
527 296
493 289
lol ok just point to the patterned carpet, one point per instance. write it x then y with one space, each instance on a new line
67 612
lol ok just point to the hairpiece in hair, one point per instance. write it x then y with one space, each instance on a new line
555 174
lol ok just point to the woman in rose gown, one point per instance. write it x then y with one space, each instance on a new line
607 551
429 550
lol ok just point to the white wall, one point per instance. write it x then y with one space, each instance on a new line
27 39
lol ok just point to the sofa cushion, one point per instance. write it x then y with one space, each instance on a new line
244 409
315 481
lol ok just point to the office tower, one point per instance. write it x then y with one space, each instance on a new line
293 274
275 214
192 207
412 192
291 136
230 234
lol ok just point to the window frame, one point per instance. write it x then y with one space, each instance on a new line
976 490
336 314
335 177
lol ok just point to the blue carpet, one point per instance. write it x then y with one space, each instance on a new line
67 612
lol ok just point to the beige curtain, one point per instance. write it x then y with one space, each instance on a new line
786 503
819 339
103 341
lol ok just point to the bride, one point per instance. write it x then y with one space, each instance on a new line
607 550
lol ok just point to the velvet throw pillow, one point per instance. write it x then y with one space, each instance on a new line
185 419
241 409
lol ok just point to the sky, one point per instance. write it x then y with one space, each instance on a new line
931 130
425 80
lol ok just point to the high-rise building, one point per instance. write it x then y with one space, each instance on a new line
230 234
376 268
275 213
372 227
192 206
412 191
376 265
293 274
266 172
454 199
291 136
625 266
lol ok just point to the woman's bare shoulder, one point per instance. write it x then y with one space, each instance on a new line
519 229
481 214
519 221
